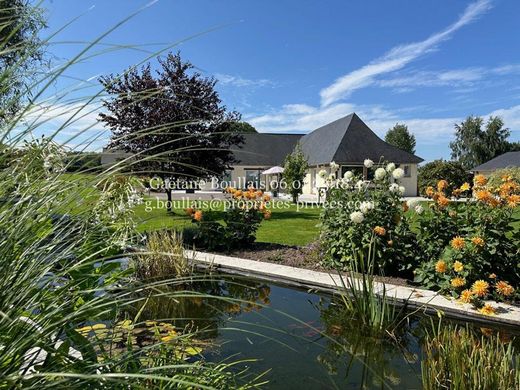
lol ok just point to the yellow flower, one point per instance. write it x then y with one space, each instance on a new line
458 282
440 266
429 191
379 230
466 296
197 216
442 185
504 288
458 266
465 187
478 241
480 288
488 310
480 180
457 243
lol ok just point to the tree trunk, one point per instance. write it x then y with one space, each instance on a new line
169 203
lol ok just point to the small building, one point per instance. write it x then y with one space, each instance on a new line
506 160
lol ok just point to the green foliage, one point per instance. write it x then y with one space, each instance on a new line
163 257
400 137
452 171
241 127
456 358
237 230
479 234
295 168
351 215
474 146
22 53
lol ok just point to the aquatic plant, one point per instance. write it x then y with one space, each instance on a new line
164 256
455 357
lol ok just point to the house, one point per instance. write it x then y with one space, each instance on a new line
347 141
506 160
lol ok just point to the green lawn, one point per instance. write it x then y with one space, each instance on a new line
287 226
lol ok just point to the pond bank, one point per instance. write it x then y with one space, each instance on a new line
429 301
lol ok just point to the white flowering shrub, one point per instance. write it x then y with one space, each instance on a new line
359 212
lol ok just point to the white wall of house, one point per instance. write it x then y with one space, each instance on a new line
240 174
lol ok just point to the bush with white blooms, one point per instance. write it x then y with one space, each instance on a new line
359 212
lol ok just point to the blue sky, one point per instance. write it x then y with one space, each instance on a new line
296 65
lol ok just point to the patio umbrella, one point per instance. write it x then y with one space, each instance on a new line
273 170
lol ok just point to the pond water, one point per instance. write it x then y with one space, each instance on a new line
305 340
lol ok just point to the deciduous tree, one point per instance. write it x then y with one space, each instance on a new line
400 137
172 119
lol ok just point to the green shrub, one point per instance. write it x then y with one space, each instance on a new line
356 214
477 237
452 171
238 227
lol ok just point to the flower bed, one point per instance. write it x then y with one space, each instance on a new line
468 249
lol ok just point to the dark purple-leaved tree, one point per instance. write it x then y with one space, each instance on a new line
171 119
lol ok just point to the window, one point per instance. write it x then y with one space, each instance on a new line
407 171
357 170
252 178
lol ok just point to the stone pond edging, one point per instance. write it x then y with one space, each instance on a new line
415 298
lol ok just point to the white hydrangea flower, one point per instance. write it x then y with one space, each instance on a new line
360 185
380 174
368 163
357 217
390 167
332 176
365 207
322 173
398 173
419 209
394 187
348 175
333 166
402 190
411 203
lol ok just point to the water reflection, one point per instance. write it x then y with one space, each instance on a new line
204 305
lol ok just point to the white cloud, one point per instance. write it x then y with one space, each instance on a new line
464 77
397 57
428 131
237 81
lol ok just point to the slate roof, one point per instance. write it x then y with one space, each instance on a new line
350 140
265 149
347 140
506 160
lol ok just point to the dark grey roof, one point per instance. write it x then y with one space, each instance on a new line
265 149
350 140
506 160
346 140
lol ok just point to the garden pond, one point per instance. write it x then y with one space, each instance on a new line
301 339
